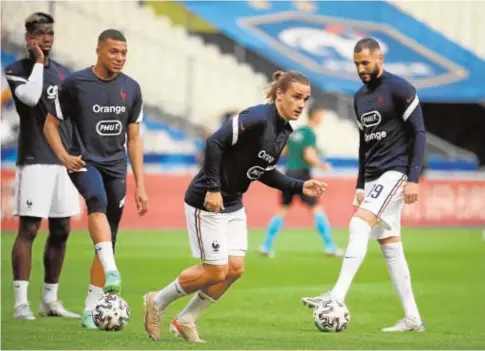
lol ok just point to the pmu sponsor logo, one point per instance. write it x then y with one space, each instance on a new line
109 128
375 136
370 119
109 109
52 92
265 156
255 172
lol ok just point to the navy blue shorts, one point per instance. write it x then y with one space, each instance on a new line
102 193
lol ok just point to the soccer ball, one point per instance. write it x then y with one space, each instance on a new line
111 313
331 316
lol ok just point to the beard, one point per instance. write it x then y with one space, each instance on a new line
373 75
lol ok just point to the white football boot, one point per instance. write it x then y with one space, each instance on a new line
23 311
312 302
56 309
337 252
406 324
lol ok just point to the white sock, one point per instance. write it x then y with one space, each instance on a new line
168 294
401 278
20 291
50 292
199 303
94 294
354 255
106 255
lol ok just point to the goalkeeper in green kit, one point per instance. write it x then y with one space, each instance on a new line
302 155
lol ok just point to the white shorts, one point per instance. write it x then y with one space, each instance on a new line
44 191
216 236
384 197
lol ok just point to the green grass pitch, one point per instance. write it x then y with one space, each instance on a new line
263 310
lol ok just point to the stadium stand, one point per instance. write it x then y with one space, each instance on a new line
199 86
453 20
189 83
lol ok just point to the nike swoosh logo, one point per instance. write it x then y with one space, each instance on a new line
177 288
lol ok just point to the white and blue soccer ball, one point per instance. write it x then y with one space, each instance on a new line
331 316
111 313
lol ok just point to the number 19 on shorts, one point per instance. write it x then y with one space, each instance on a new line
375 191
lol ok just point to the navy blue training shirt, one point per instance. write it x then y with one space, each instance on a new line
392 132
243 150
33 147
100 112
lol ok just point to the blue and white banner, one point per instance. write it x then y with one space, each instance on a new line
317 39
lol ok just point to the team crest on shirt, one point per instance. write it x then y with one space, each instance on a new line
370 119
123 94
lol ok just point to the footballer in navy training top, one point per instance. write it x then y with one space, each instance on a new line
391 153
392 133
105 107
42 187
245 149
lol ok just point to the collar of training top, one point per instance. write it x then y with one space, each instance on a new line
47 61
280 121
